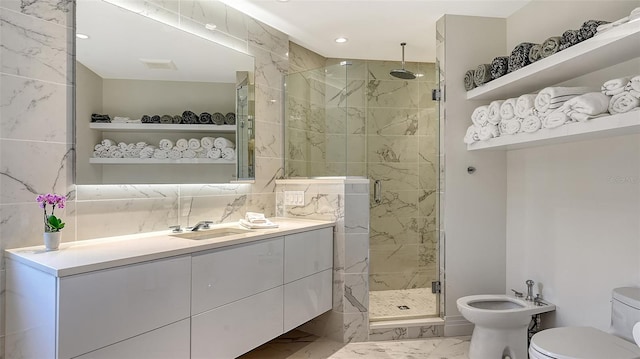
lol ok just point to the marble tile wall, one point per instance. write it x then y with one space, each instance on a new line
36 129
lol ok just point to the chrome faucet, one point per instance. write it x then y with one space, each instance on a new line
529 290
201 224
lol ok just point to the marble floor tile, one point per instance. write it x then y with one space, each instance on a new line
416 303
300 345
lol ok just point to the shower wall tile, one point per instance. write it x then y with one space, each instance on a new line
429 71
427 202
270 67
228 189
396 176
397 149
267 171
428 125
393 258
426 97
356 327
35 48
26 103
393 121
357 70
350 95
58 12
401 280
155 10
402 94
355 219
96 219
263 203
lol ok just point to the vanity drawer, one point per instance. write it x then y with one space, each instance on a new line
101 308
234 329
227 275
169 342
307 298
307 253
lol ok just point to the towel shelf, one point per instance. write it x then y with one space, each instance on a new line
154 127
607 49
154 161
615 125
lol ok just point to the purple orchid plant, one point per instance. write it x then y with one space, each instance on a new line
51 222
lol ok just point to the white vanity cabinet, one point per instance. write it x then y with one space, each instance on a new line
209 301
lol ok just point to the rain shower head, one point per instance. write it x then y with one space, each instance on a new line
402 73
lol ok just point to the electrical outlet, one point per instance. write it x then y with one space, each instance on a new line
294 198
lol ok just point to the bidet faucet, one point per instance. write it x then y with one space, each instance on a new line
529 297
201 224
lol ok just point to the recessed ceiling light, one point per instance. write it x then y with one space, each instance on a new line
210 26
82 36
341 40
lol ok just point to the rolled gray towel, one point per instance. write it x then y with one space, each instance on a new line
499 66
146 119
218 118
535 53
570 38
520 56
590 28
550 46
155 119
205 118
482 74
189 117
176 119
166 119
469 84
230 118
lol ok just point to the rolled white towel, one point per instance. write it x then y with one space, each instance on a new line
165 144
104 154
525 105
99 147
194 143
615 86
228 153
188 153
488 131
119 119
214 153
108 143
131 147
509 127
531 124
122 146
479 116
586 106
182 144
623 102
472 135
147 152
116 154
96 154
555 119
551 98
174 154
141 145
493 112
207 142
222 143
633 86
160 154
136 153
508 109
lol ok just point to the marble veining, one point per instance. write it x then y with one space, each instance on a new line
299 345
385 304
57 11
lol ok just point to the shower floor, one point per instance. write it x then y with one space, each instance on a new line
402 304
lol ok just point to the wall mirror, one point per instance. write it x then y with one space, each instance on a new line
180 107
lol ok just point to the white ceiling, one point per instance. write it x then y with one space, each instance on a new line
375 28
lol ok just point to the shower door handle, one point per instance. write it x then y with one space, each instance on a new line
377 191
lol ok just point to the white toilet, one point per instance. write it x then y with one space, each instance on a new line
501 323
591 343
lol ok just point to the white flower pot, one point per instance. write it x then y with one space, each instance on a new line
52 240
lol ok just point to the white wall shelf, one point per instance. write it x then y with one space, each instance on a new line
156 127
154 161
615 125
612 47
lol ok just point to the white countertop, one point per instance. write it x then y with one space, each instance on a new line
96 254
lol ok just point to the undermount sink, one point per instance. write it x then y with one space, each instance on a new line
212 233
